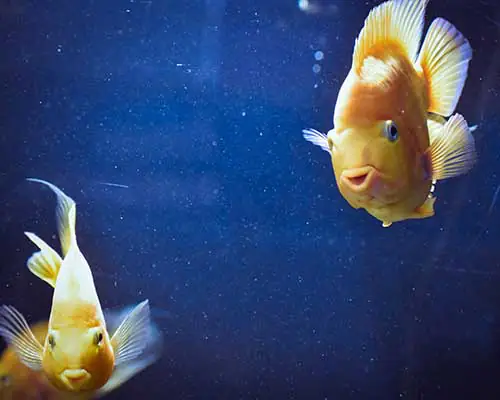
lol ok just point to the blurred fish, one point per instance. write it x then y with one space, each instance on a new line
390 142
78 353
19 382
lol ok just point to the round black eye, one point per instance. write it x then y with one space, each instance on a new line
4 380
391 131
98 338
52 341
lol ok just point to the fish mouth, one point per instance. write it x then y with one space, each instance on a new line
74 379
358 179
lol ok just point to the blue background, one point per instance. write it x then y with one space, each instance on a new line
269 285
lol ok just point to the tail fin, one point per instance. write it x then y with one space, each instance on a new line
65 216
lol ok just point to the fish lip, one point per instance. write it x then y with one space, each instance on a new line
74 378
358 179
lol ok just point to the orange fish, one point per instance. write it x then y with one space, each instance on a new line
78 353
390 142
19 382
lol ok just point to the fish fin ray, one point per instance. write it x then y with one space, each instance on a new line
130 339
16 332
125 371
444 59
452 148
379 73
317 138
397 22
65 215
45 263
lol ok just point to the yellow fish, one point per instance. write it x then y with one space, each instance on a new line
78 353
390 142
19 382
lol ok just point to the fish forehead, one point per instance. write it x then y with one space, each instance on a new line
361 107
71 314
362 99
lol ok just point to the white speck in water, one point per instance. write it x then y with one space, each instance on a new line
318 56
316 68
303 4
243 113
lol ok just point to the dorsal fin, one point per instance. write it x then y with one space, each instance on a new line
397 23
65 215
444 60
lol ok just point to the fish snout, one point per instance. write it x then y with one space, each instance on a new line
74 379
357 180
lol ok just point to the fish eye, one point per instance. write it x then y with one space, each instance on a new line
52 341
98 338
4 380
391 131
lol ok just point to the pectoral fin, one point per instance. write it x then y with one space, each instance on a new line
17 333
452 148
127 370
318 138
131 337
44 263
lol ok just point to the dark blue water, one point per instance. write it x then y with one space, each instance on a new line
272 287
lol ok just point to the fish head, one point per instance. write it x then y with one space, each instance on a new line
78 359
380 139
375 163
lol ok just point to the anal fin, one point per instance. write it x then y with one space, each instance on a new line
44 263
426 210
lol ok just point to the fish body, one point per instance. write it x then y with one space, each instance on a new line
77 354
391 142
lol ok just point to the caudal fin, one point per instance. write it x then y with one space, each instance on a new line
444 60
65 215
